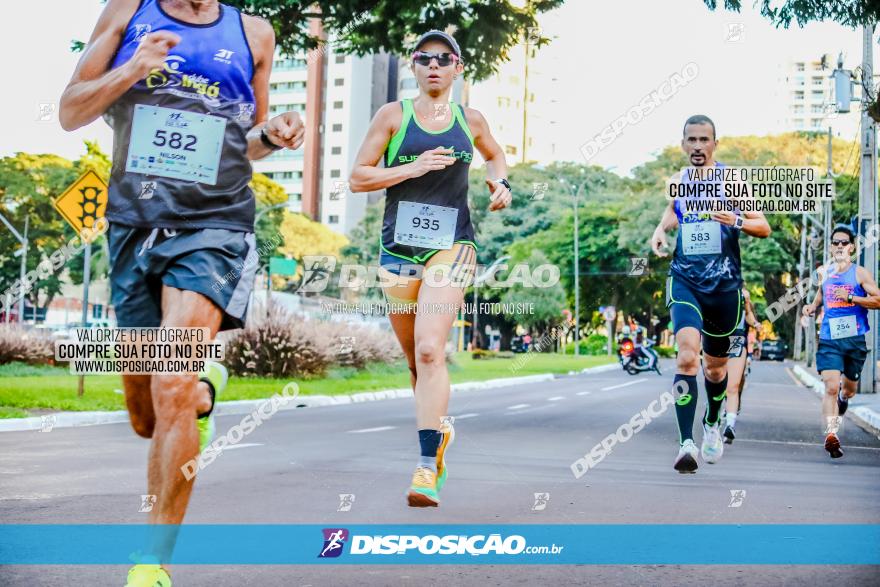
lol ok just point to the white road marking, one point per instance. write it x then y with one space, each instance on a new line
518 407
814 444
463 416
555 398
623 384
793 378
583 393
242 445
377 429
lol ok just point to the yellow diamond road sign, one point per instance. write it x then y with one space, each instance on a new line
84 202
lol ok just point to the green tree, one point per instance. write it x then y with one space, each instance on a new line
547 302
851 13
486 30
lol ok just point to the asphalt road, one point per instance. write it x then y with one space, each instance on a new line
510 443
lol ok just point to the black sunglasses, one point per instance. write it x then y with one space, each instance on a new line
841 243
443 59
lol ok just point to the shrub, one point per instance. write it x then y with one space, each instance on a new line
282 345
277 345
25 346
666 352
356 346
595 344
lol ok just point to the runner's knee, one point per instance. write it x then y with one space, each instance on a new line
429 352
174 395
687 360
715 373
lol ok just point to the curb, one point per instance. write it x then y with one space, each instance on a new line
241 407
866 418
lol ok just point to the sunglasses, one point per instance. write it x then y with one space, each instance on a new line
443 59
841 243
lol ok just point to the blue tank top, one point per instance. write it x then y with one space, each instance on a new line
208 73
706 251
840 314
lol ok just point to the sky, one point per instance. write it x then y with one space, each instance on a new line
605 57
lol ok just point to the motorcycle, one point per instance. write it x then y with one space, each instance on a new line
637 358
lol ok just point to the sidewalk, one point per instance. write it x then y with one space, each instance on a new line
864 408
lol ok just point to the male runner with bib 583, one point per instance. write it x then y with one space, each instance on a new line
703 294
427 249
847 293
184 84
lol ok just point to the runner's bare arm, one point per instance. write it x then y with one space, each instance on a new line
754 222
668 221
872 300
92 88
367 177
751 318
286 129
810 309
496 164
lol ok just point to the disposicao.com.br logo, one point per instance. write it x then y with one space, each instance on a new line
334 540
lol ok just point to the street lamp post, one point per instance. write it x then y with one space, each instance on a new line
576 192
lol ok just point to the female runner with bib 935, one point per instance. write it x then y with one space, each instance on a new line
427 144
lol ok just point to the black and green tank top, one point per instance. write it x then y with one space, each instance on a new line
446 188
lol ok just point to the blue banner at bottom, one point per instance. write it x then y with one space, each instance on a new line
618 544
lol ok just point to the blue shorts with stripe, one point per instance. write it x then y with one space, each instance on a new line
219 264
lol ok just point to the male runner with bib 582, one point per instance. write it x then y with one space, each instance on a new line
703 295
184 85
427 249
847 293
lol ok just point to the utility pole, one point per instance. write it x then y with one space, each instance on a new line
577 280
802 266
868 199
525 138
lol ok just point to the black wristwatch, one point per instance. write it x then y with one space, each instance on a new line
264 138
505 183
849 298
738 223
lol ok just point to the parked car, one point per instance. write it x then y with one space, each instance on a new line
773 350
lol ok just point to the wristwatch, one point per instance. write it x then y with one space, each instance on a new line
264 138
849 298
738 223
505 183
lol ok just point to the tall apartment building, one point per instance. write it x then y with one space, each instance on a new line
521 107
806 98
287 91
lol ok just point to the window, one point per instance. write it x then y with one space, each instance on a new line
340 59
337 105
799 95
269 174
797 109
336 150
799 66
817 94
294 197
510 150
338 81
334 173
817 82
337 128
333 219
817 108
